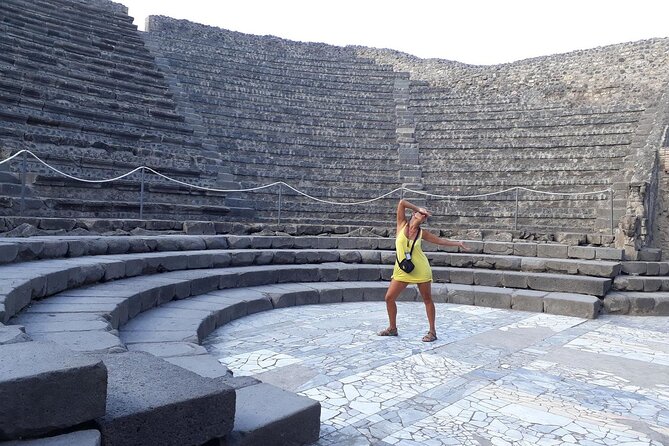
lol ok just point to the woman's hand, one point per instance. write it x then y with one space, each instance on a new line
463 246
424 212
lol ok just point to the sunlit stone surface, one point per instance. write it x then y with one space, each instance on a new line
494 377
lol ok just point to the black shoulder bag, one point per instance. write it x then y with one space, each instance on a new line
407 265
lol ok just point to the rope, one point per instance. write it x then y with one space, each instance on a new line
299 192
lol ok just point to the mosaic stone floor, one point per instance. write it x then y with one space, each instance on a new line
494 377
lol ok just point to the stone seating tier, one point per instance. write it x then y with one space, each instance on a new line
527 124
97 116
49 277
331 58
84 79
212 75
547 153
85 319
208 64
52 52
322 129
54 88
266 143
332 94
299 140
80 208
300 118
332 155
248 103
99 29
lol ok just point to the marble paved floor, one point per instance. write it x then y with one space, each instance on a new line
494 377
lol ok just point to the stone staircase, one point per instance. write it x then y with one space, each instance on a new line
142 305
79 89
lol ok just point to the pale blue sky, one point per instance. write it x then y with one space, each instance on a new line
470 31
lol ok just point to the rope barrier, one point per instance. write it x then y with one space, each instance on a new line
281 183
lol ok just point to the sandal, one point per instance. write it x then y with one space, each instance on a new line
430 337
388 332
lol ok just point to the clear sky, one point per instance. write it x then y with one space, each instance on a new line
469 31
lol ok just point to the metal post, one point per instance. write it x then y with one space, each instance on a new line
611 203
141 197
279 218
515 216
23 183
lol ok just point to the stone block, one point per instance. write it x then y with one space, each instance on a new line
199 228
628 283
650 255
151 401
568 304
641 303
460 294
653 269
441 275
83 341
485 296
498 248
609 253
635 268
651 284
513 279
525 249
203 365
291 294
488 278
581 252
569 284
77 248
508 263
549 250
561 266
45 387
90 437
599 269
616 303
528 300
268 415
8 252
12 334
54 249
462 276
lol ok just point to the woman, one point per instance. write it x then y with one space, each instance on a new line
408 241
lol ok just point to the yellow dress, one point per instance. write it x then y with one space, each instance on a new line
422 271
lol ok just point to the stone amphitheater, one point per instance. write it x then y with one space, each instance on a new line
160 191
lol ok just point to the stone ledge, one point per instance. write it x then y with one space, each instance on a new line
76 385
151 401
268 415
80 438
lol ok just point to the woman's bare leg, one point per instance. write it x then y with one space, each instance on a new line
394 289
425 289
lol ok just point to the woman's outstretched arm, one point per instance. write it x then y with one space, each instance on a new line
443 241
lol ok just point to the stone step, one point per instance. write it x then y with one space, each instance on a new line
636 303
120 301
638 268
76 385
266 415
641 283
34 280
88 437
151 401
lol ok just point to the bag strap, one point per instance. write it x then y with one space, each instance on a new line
412 245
